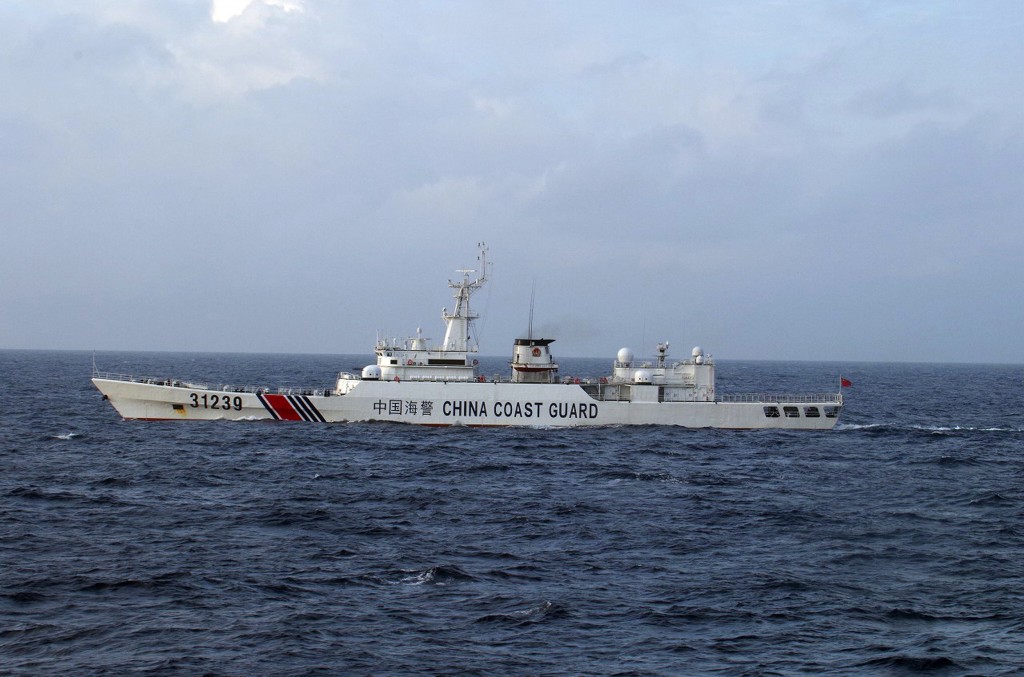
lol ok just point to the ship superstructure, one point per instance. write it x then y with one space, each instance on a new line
414 359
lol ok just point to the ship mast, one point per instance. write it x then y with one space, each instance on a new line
456 335
533 293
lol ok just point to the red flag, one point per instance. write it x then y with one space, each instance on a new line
845 382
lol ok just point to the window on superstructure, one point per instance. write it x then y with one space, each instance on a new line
831 412
812 412
792 412
771 412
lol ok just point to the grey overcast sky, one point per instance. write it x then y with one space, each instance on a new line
769 180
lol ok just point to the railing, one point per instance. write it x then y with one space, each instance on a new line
815 398
174 383
110 376
348 376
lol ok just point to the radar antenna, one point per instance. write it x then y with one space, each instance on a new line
533 295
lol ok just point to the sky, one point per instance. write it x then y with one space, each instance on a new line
786 179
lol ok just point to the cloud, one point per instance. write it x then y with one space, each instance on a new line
711 172
224 11
898 98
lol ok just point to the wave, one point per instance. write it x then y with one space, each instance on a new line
912 663
291 516
35 493
546 610
917 427
991 499
162 580
24 597
439 575
112 482
637 475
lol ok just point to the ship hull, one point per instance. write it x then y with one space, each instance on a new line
459 403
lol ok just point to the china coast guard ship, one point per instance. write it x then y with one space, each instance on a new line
440 385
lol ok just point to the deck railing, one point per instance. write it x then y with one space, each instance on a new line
814 398
175 383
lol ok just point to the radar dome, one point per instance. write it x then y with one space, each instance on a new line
697 352
624 356
642 376
371 372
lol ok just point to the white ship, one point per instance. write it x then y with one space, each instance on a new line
440 385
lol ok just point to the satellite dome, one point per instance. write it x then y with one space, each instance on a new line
697 352
624 356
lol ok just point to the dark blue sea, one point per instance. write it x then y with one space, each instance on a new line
893 544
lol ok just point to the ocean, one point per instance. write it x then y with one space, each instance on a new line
893 544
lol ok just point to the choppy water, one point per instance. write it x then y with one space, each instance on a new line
893 544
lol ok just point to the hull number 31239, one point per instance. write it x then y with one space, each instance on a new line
215 401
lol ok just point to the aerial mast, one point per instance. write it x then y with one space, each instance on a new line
456 335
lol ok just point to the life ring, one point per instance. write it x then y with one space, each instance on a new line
408 363
536 352
397 380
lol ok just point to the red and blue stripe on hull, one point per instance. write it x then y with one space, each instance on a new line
291 408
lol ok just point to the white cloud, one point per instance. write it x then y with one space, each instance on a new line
226 10
726 158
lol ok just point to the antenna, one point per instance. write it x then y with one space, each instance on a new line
533 294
